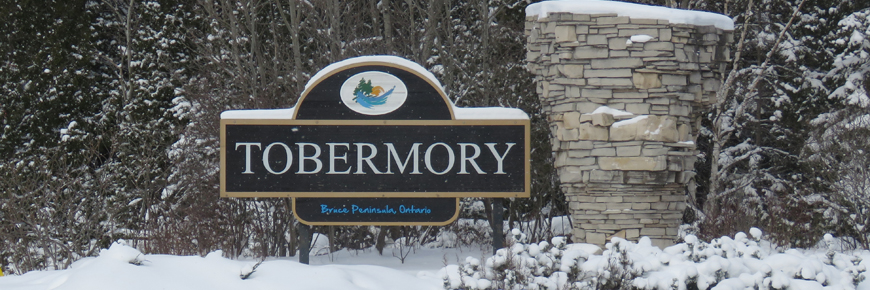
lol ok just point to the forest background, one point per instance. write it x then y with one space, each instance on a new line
110 113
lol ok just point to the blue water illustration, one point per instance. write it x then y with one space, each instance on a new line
370 102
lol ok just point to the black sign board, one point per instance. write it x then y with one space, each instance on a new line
373 141
297 158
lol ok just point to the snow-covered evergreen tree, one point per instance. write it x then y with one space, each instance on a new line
86 132
838 150
763 119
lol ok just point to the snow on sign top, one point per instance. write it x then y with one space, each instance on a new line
328 70
488 113
700 18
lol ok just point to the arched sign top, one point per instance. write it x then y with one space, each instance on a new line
374 141
374 88
373 59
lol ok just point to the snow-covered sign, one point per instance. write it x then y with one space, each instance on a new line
371 137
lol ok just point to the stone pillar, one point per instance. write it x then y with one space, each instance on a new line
624 115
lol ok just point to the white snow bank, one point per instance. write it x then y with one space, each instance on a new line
122 253
111 271
629 121
328 70
639 11
639 38
279 114
610 111
489 113
486 113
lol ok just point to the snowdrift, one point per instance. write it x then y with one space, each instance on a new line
122 267
739 262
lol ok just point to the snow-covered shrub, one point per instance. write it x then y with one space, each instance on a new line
248 269
120 251
463 232
521 265
742 262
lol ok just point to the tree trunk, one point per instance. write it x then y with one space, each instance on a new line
388 25
382 240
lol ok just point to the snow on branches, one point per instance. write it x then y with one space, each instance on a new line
739 262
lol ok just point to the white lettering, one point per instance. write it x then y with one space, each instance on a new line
451 158
415 152
302 158
499 158
266 158
247 155
332 158
463 157
366 156
367 159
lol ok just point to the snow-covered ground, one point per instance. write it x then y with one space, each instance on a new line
122 267
741 262
422 263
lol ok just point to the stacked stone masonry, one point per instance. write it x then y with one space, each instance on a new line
624 167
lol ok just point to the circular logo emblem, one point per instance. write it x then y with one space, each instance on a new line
373 93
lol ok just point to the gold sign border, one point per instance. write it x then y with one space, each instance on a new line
289 122
292 121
